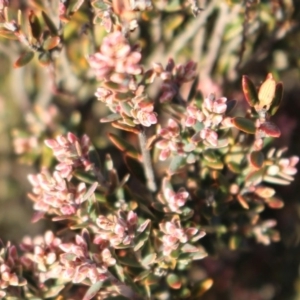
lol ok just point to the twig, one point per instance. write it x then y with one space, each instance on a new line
187 33
215 41
147 162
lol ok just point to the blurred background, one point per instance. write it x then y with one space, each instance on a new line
227 39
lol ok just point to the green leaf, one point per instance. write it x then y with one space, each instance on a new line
24 59
234 167
244 124
143 236
257 159
277 99
74 5
99 4
250 91
142 275
35 25
149 259
174 281
54 291
175 164
51 42
93 290
255 177
51 26
130 262
124 146
110 118
44 58
148 77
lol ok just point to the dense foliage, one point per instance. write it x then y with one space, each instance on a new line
179 191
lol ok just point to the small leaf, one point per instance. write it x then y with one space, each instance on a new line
249 91
148 77
255 177
44 58
266 94
126 127
217 165
234 167
74 5
276 180
93 290
54 291
277 99
35 25
126 109
51 42
244 125
149 260
130 262
201 287
123 96
174 281
274 203
50 24
264 192
24 59
242 201
8 34
257 159
142 275
124 146
110 118
234 242
90 191
270 129
175 164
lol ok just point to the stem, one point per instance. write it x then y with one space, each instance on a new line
147 162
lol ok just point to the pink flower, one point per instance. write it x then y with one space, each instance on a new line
174 235
176 200
71 152
117 229
145 114
115 55
170 140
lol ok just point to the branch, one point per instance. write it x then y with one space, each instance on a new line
147 164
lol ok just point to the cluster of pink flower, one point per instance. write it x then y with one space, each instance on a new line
174 235
9 268
211 116
173 77
78 264
71 152
41 255
53 195
117 230
115 56
175 200
170 140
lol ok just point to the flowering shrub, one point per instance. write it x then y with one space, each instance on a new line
202 169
